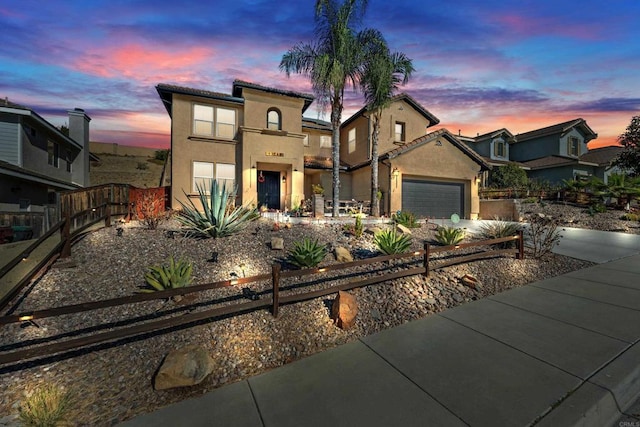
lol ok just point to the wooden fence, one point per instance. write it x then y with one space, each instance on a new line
273 299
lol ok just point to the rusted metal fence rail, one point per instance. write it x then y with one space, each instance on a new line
274 302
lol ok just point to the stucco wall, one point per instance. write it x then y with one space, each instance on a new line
434 162
505 210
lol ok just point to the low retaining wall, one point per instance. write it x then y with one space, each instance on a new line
504 209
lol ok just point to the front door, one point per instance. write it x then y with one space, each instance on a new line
269 189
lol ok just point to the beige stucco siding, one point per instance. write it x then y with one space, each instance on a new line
433 162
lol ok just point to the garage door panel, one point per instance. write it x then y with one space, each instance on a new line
432 198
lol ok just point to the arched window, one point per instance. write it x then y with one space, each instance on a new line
273 119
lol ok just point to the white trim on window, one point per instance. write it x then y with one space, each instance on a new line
202 176
325 141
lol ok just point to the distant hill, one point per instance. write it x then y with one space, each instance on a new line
121 164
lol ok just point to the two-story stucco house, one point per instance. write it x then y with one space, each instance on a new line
257 138
37 159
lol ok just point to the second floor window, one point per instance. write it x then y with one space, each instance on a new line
325 141
352 140
214 121
499 149
273 120
69 159
573 146
53 153
305 141
399 132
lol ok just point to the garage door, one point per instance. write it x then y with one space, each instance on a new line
433 199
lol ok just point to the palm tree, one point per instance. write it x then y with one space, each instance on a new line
331 62
383 72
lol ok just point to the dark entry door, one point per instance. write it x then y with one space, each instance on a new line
269 189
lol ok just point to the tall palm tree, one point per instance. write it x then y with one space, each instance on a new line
332 61
384 71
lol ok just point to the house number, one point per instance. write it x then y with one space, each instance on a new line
274 154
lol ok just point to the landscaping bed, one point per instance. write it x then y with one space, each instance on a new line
113 383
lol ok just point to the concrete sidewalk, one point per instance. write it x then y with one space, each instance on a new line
563 351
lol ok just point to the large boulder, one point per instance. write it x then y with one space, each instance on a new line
344 310
184 367
343 254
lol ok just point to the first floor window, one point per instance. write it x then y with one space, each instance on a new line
305 141
352 140
202 176
325 141
53 153
226 175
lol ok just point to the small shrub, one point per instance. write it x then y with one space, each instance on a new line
596 209
46 406
529 200
307 253
317 188
406 218
630 217
161 155
542 235
390 242
142 166
355 229
449 235
499 229
172 276
150 209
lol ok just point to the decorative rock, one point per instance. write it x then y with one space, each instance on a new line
344 310
471 281
373 230
458 298
375 314
343 255
184 367
402 229
277 243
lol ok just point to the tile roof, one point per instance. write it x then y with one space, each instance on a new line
432 137
166 91
315 124
555 161
319 162
494 134
558 128
602 156
433 120
238 85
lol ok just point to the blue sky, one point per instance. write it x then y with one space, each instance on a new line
479 66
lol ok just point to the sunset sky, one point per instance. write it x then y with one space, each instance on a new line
480 65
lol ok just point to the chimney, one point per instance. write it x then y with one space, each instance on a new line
79 132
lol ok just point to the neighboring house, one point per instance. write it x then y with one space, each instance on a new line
257 138
603 159
554 153
37 159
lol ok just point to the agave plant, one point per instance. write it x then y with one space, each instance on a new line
406 218
174 275
390 242
219 217
307 253
449 235
498 229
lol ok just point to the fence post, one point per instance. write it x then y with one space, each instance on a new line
520 245
275 279
107 218
66 236
427 249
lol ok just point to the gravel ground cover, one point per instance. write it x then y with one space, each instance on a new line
113 383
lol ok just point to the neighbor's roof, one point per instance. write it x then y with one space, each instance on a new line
433 120
561 128
602 156
9 107
494 134
166 92
432 137
238 85
555 161
496 162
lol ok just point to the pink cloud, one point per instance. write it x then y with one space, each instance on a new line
549 25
